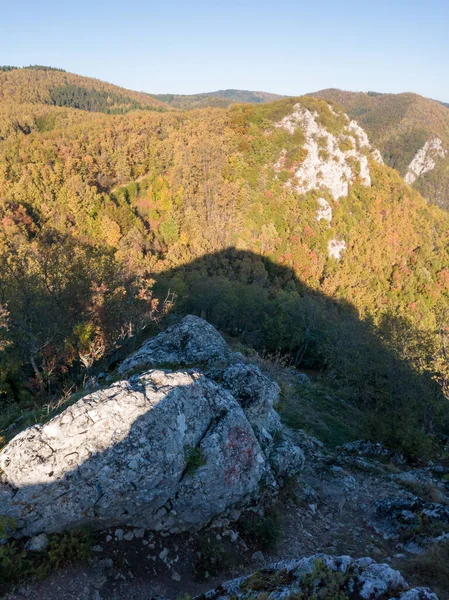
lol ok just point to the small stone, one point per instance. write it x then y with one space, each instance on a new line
99 581
97 548
85 594
258 557
176 576
139 533
37 543
106 563
163 555
129 535
119 534
109 538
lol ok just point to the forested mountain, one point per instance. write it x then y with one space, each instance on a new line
411 132
275 221
55 87
221 98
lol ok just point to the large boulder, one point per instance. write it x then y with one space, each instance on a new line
191 342
167 451
323 576
194 341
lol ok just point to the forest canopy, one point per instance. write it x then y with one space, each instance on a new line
105 216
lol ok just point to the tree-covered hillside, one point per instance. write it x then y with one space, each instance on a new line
272 220
399 125
46 85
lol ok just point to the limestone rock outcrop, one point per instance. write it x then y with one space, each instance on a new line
191 342
330 159
334 576
425 159
164 450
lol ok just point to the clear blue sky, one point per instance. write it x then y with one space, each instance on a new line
284 46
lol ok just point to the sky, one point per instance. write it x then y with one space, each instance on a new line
281 46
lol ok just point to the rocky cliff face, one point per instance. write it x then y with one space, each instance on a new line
332 162
167 450
425 159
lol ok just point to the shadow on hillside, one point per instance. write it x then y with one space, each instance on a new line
267 307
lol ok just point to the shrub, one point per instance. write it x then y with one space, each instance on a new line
262 532
194 458
16 564
432 567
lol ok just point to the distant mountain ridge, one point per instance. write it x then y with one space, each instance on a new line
56 87
410 131
221 98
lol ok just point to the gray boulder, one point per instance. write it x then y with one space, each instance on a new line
164 451
370 449
333 576
167 451
191 342
258 395
194 341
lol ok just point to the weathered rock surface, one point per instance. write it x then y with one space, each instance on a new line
411 512
324 211
335 248
191 342
119 456
167 451
361 579
258 395
367 448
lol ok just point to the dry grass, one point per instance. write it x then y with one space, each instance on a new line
431 569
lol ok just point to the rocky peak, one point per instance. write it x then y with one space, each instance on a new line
193 341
